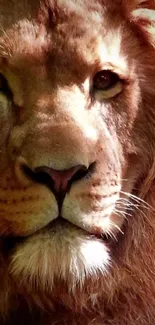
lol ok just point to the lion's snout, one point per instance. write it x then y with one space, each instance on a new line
55 146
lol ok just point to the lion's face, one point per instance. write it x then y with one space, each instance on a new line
71 147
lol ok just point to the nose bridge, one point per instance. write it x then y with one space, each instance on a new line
57 144
63 111
59 120
58 134
57 110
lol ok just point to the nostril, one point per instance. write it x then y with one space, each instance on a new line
61 180
58 181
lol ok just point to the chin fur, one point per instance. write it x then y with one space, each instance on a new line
67 254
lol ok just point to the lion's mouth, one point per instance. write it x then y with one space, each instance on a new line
57 225
59 222
44 178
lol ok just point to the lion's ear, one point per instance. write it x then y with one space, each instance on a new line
142 14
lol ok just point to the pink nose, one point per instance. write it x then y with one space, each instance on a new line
62 178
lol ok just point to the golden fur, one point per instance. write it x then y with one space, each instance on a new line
68 273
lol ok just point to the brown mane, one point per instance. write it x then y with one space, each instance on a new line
125 295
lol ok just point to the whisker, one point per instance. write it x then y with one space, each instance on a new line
112 235
132 203
137 199
126 205
124 180
119 214
117 227
123 213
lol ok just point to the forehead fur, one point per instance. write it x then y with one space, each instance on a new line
50 33
51 13
9 10
49 30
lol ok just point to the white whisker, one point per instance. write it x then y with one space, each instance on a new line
117 227
123 213
111 235
137 200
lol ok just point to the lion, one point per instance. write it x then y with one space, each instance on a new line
77 164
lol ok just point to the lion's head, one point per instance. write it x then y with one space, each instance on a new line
77 149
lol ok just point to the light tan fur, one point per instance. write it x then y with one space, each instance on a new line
68 273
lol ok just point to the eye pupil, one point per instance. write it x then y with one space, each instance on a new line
105 79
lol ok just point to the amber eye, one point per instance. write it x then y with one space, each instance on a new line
105 80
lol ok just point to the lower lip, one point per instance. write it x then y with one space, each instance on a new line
9 243
61 222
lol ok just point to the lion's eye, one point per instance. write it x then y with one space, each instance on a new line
108 83
105 79
4 87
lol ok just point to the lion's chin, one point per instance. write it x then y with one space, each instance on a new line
63 252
